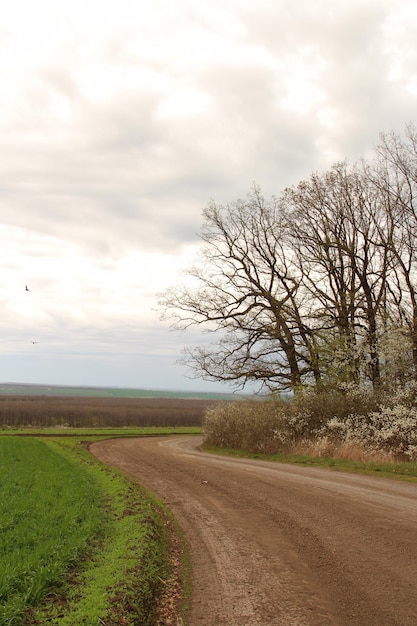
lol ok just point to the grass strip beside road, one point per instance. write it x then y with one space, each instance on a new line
397 470
79 543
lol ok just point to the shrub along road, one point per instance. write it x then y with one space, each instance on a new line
274 544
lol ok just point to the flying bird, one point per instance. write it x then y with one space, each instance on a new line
26 288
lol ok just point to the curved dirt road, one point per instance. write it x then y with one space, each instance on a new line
274 544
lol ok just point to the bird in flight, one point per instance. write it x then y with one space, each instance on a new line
26 288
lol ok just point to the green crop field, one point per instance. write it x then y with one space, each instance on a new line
69 552
49 512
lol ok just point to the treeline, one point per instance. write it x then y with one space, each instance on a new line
78 412
316 287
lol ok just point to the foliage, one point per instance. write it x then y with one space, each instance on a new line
248 425
390 430
323 424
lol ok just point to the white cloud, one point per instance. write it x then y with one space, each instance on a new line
118 123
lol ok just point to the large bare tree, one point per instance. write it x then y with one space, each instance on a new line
248 289
337 220
395 177
306 288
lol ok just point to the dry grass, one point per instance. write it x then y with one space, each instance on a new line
324 448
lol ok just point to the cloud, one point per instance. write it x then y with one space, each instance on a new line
118 123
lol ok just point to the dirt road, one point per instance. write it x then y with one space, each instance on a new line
281 545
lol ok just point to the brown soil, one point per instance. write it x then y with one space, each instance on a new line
281 545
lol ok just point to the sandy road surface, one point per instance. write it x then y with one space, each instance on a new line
275 544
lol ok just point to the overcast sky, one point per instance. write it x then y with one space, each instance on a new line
120 120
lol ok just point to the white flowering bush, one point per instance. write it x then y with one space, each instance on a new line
396 355
291 428
270 426
405 395
352 424
390 430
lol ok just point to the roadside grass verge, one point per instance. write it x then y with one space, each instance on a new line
98 550
396 470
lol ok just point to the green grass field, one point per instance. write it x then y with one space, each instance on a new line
50 510
78 544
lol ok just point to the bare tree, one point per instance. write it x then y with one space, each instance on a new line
395 177
247 289
321 239
305 289
337 220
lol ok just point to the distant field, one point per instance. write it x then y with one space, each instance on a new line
23 411
105 392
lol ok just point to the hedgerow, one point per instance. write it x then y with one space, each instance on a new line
332 423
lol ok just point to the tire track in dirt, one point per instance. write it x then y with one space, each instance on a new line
279 545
